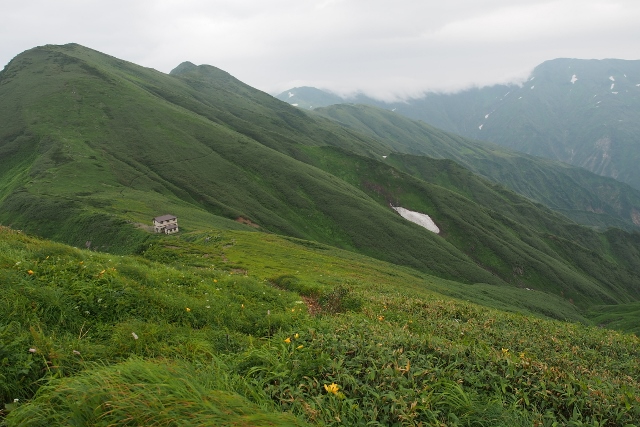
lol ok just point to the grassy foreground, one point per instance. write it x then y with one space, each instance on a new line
234 328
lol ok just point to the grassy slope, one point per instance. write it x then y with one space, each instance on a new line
512 237
111 146
118 143
588 123
582 196
214 338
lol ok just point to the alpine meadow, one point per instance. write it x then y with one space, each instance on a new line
295 293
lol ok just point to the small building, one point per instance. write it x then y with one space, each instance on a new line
167 224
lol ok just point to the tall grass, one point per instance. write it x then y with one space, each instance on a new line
137 393
98 339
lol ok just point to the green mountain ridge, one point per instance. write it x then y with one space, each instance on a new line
99 145
582 196
582 112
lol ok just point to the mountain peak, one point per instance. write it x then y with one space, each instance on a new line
185 67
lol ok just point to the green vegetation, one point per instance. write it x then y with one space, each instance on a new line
623 317
117 144
512 239
293 293
591 122
584 197
239 328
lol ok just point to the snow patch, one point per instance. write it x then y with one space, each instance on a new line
574 79
612 79
533 86
486 116
615 93
421 219
393 109
520 98
384 157
531 79
295 105
638 85
612 85
291 94
480 127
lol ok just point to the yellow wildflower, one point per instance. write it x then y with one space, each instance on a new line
188 309
505 351
296 336
215 280
288 340
522 355
381 318
299 347
30 272
332 388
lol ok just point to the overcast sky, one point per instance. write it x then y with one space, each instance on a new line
384 48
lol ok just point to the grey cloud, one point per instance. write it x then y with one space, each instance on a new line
382 48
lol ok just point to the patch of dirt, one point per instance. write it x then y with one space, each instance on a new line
143 226
312 305
246 221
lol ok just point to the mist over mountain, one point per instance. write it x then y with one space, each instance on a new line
582 112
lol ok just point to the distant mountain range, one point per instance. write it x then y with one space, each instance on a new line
582 112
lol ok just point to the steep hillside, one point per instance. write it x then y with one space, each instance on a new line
104 147
522 243
582 196
583 112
